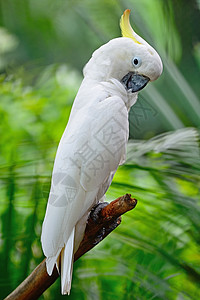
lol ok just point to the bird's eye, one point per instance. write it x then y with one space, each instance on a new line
136 61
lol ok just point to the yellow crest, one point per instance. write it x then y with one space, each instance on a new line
127 30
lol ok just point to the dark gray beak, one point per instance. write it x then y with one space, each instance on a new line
134 82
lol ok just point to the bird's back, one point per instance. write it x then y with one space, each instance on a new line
91 148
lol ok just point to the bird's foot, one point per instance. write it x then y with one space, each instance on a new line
95 215
95 212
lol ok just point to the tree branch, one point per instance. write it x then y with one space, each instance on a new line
103 219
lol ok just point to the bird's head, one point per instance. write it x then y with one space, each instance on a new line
129 59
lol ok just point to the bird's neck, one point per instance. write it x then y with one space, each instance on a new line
91 89
116 88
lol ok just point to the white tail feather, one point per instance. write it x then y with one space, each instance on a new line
51 261
67 264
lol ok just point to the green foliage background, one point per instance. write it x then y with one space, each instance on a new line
154 254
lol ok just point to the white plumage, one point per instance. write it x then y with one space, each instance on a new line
92 147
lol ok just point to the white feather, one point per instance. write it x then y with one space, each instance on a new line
90 151
67 264
91 148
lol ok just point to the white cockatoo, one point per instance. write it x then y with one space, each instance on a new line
93 144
